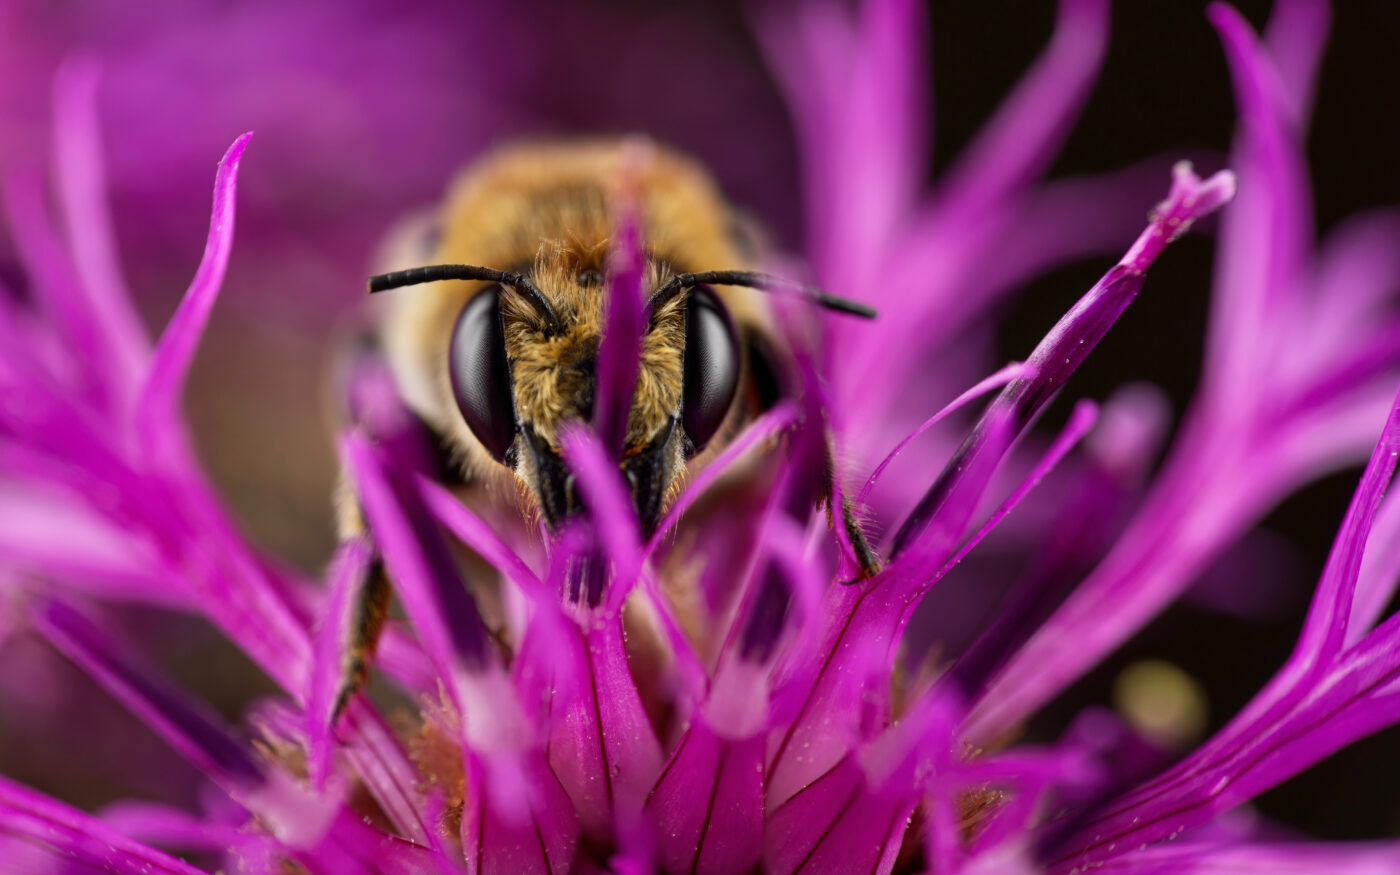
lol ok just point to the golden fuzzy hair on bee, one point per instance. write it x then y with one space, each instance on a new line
549 210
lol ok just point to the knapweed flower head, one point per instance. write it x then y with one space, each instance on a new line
786 733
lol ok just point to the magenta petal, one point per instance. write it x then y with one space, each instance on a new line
167 827
604 494
935 527
843 76
493 724
386 770
1013 371
1030 125
67 543
1122 446
424 572
708 805
1058 222
834 825
619 352
188 728
601 743
540 843
82 189
1029 774
689 671
58 289
349 845
1315 704
1265 239
57 834
1325 629
836 704
400 656
1050 365
1283 858
1358 270
1081 420
839 696
772 422
160 395
374 405
481 538
1296 36
1380 571
888 92
1070 342
347 578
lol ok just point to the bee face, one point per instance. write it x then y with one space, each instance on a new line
500 377
517 379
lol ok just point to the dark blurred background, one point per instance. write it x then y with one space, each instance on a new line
323 179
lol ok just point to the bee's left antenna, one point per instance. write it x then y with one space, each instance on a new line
437 272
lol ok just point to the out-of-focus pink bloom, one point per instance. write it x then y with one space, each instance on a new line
792 749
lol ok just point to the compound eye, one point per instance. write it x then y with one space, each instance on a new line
480 372
711 366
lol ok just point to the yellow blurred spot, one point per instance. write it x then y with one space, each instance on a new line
1161 702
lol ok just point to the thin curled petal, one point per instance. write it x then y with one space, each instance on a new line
1081 422
1013 371
174 352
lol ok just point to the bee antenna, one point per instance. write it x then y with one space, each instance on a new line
436 272
754 280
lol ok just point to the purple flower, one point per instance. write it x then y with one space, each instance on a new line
797 740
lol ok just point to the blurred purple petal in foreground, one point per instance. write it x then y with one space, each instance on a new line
787 733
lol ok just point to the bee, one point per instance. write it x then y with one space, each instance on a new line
496 351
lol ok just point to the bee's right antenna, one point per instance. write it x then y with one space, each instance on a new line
754 280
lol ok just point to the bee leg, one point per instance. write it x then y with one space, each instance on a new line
860 545
369 607
368 613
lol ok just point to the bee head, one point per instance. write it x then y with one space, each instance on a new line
522 360
553 382
523 363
